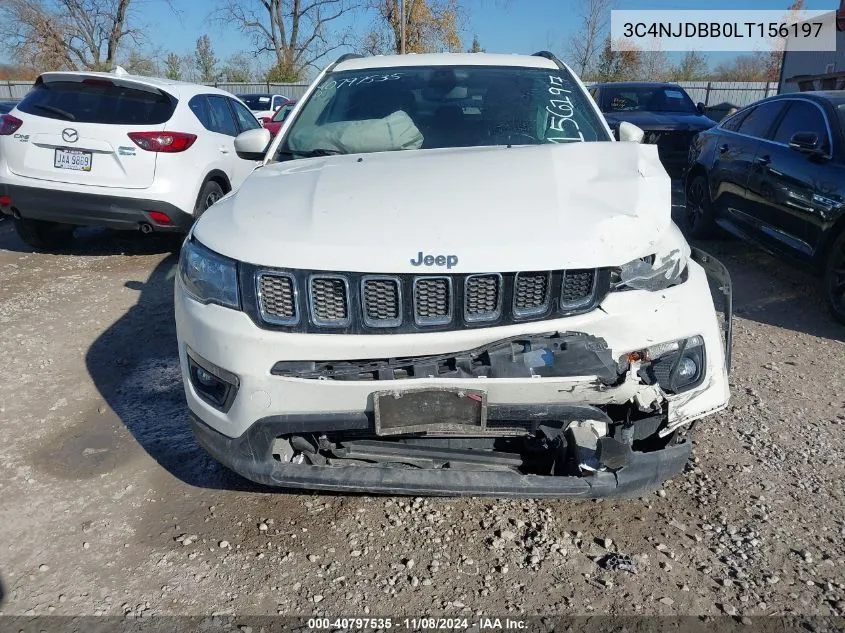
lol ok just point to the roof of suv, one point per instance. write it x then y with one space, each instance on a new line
173 87
445 59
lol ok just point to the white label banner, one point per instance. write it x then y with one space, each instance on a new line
721 30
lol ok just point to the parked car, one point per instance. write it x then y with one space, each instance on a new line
275 123
264 105
470 288
773 174
111 149
663 111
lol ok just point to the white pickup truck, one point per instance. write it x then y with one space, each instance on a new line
448 277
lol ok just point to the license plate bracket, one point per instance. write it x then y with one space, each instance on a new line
73 159
435 410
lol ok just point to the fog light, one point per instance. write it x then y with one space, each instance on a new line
213 384
687 368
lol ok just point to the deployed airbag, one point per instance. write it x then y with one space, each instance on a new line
394 132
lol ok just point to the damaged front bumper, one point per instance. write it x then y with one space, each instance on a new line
532 412
252 456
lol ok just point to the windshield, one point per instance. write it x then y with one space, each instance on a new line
379 110
646 99
256 102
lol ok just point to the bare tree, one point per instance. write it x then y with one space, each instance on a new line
693 66
70 34
654 64
296 32
585 44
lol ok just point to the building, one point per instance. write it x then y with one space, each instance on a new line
816 70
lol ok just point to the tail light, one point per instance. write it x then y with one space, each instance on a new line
9 124
167 142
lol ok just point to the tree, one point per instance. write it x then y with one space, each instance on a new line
237 69
622 64
295 32
431 26
137 63
750 67
774 59
173 67
66 34
584 44
693 66
476 46
204 59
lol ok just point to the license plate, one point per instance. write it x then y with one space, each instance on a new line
72 159
447 411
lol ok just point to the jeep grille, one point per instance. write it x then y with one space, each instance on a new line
359 303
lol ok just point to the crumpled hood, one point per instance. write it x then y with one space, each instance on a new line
541 207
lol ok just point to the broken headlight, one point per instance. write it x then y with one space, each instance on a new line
667 267
656 272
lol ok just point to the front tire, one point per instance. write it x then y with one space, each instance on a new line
698 212
42 235
211 192
834 278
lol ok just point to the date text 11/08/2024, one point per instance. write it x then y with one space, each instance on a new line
417 624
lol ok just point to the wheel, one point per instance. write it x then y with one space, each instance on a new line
698 214
834 278
42 235
211 192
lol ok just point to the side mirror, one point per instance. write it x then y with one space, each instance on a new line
806 143
699 107
630 133
252 144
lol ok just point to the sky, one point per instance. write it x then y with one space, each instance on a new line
502 26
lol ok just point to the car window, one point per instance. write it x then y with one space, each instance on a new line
246 120
96 100
759 121
199 106
802 116
256 102
222 120
282 112
733 121
646 99
422 107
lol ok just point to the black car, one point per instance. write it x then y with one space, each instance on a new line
774 175
663 111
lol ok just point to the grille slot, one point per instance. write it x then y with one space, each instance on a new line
329 298
432 300
277 298
577 288
382 301
482 297
531 293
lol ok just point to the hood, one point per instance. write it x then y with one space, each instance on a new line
540 207
680 121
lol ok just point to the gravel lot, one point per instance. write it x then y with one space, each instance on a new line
108 506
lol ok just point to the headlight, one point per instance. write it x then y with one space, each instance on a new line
208 276
666 268
677 366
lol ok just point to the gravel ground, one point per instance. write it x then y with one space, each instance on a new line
108 506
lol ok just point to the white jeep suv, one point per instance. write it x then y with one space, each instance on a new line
115 150
470 288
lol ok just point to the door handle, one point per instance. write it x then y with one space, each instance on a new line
764 160
224 149
723 148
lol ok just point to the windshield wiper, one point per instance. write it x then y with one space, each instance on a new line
62 113
311 153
